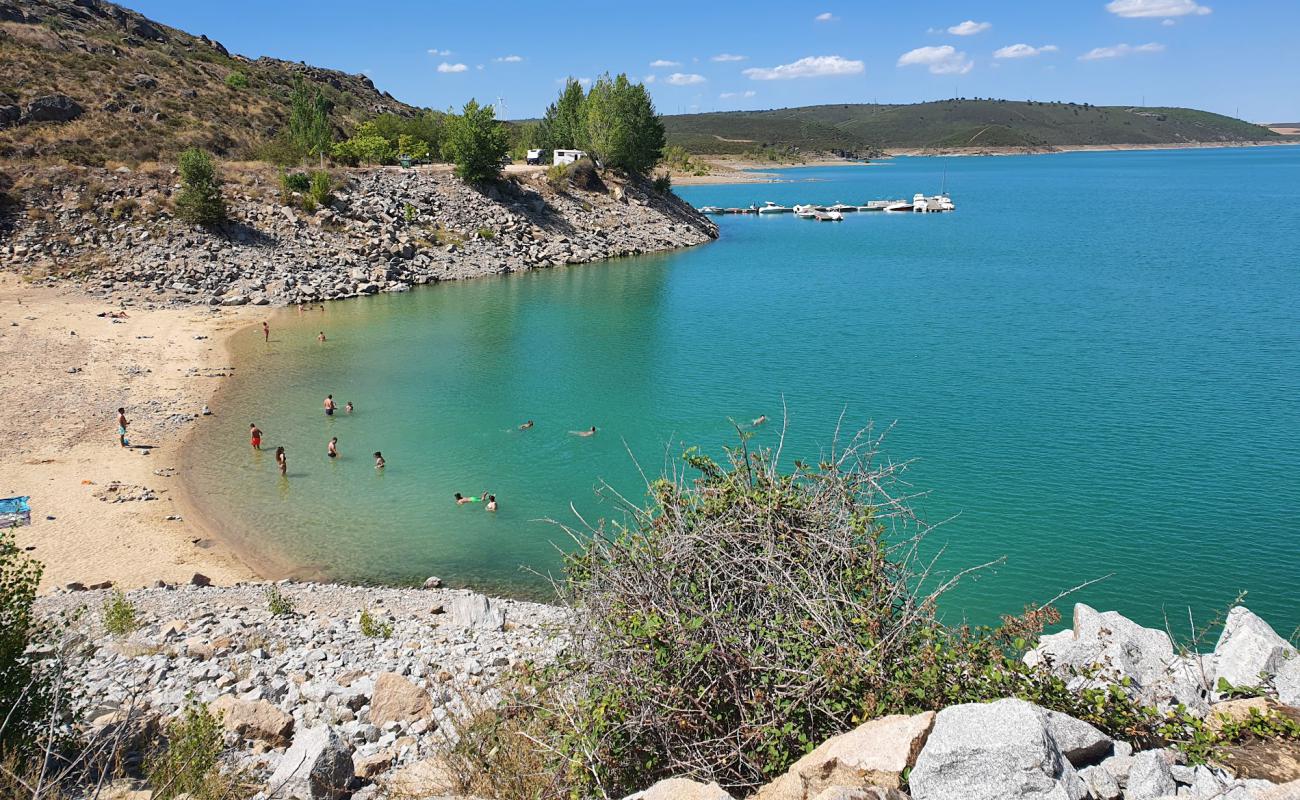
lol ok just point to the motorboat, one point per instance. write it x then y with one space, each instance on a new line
828 216
842 208
933 204
772 208
878 205
712 210
805 212
899 205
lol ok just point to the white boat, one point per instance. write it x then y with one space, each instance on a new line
933 204
772 208
898 205
878 205
842 208
828 216
712 209
805 212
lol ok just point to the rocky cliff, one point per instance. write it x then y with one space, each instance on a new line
385 230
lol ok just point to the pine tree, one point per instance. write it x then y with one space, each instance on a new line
200 201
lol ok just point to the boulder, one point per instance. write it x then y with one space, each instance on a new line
993 751
318 766
1285 791
424 778
681 789
1287 682
396 699
870 793
53 108
1235 711
1120 648
258 720
473 610
1101 783
1079 742
1249 651
875 753
9 114
1149 777
368 767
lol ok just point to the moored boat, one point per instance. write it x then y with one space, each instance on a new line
772 208
879 205
712 210
842 208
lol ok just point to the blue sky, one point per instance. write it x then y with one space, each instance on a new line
1230 56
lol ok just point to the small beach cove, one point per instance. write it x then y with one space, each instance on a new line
1070 375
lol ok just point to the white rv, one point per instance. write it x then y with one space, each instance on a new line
568 156
534 156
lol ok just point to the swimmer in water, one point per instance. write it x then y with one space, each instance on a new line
255 436
491 502
333 450
462 500
282 461
591 432
761 419
526 425
320 337
348 407
379 460
329 405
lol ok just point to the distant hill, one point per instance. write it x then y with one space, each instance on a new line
141 91
951 124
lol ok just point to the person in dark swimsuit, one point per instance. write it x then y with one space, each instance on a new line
282 461
333 450
329 405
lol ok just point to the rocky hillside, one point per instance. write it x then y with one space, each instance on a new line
90 82
317 704
385 230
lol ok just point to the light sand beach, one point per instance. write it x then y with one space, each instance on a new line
58 433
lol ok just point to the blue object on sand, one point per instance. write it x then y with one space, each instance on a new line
15 511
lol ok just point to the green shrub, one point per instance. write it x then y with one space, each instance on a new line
663 183
486 233
26 695
200 201
320 189
374 628
557 175
189 763
280 604
119 614
475 142
291 182
124 208
237 80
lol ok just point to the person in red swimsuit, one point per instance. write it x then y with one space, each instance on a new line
255 436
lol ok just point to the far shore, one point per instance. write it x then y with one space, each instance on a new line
739 171
58 432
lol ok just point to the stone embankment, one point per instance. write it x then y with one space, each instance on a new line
315 708
385 230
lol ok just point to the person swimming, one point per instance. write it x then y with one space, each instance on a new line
348 407
462 500
491 502
761 419
526 425
333 450
320 337
591 432
379 460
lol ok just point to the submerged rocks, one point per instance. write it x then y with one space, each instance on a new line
994 751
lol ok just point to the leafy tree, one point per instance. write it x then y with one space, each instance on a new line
475 142
24 694
623 129
564 125
309 125
237 80
200 200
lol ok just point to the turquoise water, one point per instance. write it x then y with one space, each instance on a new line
1096 361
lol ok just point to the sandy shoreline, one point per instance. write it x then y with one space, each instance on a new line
732 171
58 433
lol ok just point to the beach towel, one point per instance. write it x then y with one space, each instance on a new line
15 511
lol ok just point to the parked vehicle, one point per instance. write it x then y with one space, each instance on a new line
534 156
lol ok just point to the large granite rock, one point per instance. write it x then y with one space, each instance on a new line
53 108
1101 783
682 789
1079 742
396 699
1287 681
993 751
1249 651
875 753
254 720
318 766
473 610
1150 777
1118 648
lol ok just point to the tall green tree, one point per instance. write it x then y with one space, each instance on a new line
564 126
24 691
475 142
623 129
309 123
200 201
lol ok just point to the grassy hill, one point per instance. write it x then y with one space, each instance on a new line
148 90
947 124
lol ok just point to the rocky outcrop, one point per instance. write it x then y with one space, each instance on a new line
53 108
386 231
994 751
1249 652
317 767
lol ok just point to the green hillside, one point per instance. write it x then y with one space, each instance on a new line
960 123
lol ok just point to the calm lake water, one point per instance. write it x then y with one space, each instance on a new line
1096 361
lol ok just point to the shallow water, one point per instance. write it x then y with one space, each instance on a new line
1096 360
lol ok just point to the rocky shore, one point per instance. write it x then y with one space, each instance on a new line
386 229
317 705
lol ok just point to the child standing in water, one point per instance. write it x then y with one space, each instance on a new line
255 436
379 460
333 450
282 461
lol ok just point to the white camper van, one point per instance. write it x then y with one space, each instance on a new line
568 156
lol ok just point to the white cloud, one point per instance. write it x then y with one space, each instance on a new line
1023 51
445 67
732 95
1168 23
1156 8
1120 50
508 59
728 57
661 62
684 78
478 66
436 52
810 67
649 79
825 16
945 60
969 28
